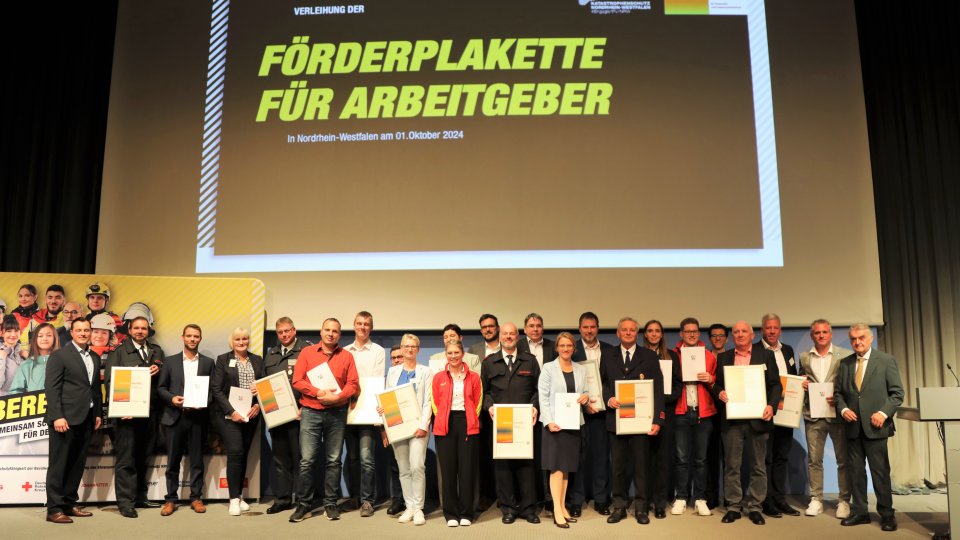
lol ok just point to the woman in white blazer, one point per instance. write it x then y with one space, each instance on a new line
412 453
560 451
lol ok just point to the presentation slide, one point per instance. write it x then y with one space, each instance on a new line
429 161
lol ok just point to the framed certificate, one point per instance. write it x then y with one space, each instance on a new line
819 407
593 384
363 411
566 410
401 412
513 431
746 391
635 415
196 391
277 403
129 392
693 360
790 409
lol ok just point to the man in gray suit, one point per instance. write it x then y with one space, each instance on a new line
820 365
490 330
867 395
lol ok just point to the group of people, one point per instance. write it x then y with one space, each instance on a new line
672 467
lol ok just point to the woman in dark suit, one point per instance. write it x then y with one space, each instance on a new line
238 368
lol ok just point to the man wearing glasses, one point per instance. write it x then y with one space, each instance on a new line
71 312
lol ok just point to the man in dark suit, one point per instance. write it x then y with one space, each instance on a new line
186 427
510 377
543 349
867 395
73 411
285 438
781 438
133 438
737 435
630 452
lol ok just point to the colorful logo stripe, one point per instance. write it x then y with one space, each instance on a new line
628 401
391 409
121 386
505 425
267 398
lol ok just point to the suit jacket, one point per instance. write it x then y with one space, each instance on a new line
806 368
552 382
516 386
172 383
226 375
758 356
644 364
479 349
276 362
881 390
793 367
580 354
69 389
424 386
549 349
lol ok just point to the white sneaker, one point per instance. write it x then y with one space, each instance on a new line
234 507
679 507
406 516
418 518
464 522
702 508
453 523
843 510
815 507
244 507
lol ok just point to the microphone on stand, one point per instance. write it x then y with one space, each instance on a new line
954 374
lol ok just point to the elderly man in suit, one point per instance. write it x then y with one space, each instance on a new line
738 435
820 365
73 411
867 395
186 427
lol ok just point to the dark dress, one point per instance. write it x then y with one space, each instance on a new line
560 450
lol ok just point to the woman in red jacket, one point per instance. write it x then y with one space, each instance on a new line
456 400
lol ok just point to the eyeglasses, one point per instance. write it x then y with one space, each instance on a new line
488 327
690 332
71 312
397 357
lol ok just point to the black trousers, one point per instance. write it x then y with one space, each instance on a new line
488 484
457 455
516 488
237 438
285 448
874 453
714 465
663 458
67 457
630 459
778 452
131 447
187 436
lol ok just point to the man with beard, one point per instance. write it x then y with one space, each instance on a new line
490 330
72 311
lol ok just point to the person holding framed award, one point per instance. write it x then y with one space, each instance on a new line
560 383
456 400
412 453
238 368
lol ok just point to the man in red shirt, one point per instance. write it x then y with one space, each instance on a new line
323 416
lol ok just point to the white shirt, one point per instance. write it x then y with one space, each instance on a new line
778 353
487 351
370 359
821 364
536 349
190 366
592 353
457 403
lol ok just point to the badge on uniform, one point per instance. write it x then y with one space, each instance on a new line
292 362
791 362
233 363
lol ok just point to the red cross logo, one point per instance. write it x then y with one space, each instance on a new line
26 486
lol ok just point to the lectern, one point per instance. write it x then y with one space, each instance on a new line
943 405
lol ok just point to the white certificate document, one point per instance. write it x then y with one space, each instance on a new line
790 409
241 399
635 415
401 412
746 391
566 410
321 377
594 388
363 409
437 365
195 392
666 367
513 431
277 403
129 392
819 408
693 360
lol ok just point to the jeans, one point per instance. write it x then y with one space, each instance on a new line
320 430
693 438
361 466
411 457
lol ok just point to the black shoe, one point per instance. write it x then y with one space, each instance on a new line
787 509
508 518
147 504
299 514
350 505
712 503
575 510
771 510
561 525
396 507
128 512
333 513
642 518
659 513
730 516
888 524
855 519
756 518
278 507
533 518
602 508
616 515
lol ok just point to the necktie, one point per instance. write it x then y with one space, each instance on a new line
284 351
143 354
510 362
859 373
626 358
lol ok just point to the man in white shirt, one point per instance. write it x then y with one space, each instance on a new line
360 472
